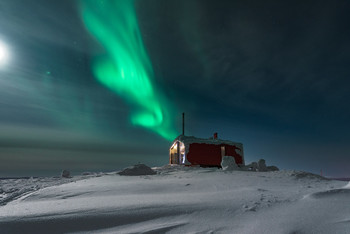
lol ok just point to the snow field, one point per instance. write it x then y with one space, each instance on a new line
185 200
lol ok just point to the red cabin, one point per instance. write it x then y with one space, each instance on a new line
189 150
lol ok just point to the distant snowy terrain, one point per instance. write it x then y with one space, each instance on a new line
11 189
177 200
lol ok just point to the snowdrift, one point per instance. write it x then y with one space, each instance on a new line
182 200
137 170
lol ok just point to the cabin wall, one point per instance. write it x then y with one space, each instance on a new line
231 150
210 155
204 154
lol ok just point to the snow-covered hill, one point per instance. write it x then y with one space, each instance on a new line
183 200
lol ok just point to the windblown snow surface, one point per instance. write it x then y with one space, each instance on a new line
181 200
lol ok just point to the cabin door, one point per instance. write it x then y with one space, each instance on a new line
223 151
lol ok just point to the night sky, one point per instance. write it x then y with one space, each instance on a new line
273 75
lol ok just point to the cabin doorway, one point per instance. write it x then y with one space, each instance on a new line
174 154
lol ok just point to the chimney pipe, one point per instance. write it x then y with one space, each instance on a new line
183 123
215 135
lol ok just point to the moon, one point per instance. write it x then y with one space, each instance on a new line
4 53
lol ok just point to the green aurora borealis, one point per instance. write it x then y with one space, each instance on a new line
99 85
126 68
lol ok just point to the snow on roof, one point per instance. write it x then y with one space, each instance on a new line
191 139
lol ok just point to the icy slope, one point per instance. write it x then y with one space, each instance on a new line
185 200
11 189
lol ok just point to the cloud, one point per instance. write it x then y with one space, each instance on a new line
43 21
36 151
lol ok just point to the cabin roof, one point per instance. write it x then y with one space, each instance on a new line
191 139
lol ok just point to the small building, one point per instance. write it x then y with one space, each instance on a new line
189 150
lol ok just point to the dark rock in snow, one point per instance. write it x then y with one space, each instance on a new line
272 168
262 165
86 173
253 166
138 169
65 174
